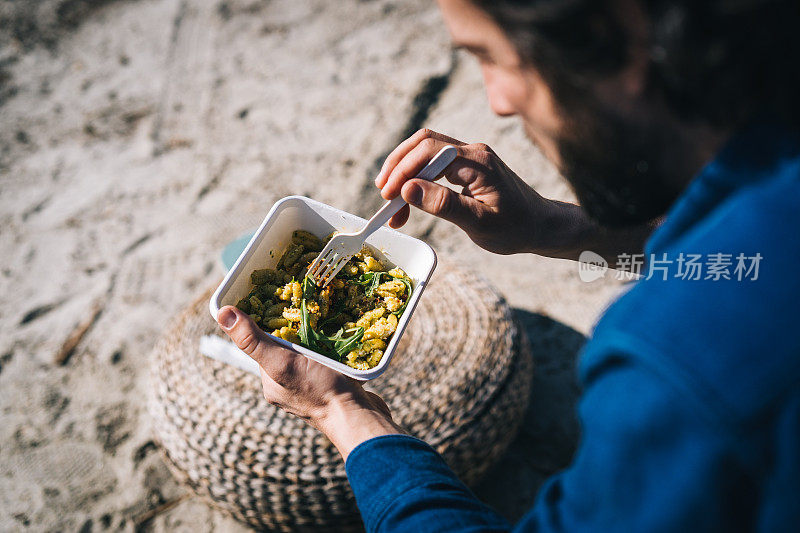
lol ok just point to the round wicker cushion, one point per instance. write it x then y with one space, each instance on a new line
460 380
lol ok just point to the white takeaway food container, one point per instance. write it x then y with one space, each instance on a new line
415 257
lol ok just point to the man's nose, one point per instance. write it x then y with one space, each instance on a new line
500 106
498 101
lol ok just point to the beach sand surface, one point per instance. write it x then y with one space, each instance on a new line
137 139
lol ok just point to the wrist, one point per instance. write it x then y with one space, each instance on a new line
558 227
349 421
565 230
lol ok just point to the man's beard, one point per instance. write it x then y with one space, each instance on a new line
621 170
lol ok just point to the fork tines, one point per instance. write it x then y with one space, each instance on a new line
327 264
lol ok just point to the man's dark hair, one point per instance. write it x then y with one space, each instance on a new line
717 61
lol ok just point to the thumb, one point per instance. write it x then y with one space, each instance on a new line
439 201
249 337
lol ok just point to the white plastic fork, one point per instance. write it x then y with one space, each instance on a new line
343 246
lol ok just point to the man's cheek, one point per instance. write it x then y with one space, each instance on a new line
546 144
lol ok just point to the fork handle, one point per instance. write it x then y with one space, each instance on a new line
435 166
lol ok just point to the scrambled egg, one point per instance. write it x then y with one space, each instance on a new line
351 320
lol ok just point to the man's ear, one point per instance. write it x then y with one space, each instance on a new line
632 79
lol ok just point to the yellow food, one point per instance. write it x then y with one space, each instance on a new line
351 320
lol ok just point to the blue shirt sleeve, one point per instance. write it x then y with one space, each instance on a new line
402 484
650 460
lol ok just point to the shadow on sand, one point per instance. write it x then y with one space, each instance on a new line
549 433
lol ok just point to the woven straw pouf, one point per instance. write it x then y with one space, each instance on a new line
460 381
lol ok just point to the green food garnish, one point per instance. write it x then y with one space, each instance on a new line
297 310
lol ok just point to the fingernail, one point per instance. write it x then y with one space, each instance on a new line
227 318
379 177
414 195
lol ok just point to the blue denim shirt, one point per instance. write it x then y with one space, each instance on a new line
691 406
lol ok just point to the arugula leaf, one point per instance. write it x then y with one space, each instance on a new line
370 281
374 282
335 346
338 335
305 338
364 279
409 290
338 345
329 320
324 345
308 286
346 345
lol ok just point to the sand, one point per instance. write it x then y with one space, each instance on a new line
137 139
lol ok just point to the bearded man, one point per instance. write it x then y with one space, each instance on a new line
677 123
